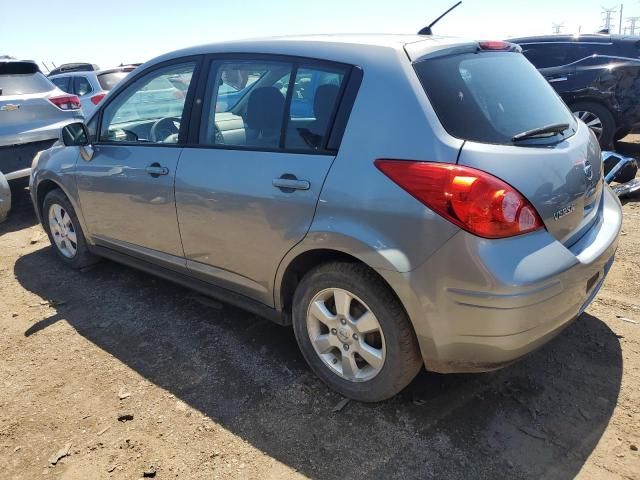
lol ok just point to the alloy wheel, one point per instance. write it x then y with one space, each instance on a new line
63 231
592 121
346 335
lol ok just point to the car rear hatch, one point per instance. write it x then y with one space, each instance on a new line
516 128
24 94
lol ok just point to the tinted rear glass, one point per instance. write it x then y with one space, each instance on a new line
490 97
24 84
108 80
18 68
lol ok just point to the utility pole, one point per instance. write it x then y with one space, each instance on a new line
556 28
632 24
620 24
607 18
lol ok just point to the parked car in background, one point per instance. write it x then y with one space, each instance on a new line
88 82
32 112
419 210
598 77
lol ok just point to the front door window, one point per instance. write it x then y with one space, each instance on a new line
151 110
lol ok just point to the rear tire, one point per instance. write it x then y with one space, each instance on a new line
63 228
369 361
600 118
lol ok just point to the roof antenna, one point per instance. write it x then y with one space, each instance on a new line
427 30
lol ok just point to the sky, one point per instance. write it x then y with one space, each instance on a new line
128 31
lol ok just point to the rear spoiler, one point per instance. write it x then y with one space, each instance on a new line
418 51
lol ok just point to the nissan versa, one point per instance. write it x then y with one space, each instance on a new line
400 200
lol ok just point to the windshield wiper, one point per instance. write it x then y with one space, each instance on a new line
537 132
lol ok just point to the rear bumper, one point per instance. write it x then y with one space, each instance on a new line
15 160
477 304
5 198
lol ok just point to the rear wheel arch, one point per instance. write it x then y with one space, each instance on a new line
304 263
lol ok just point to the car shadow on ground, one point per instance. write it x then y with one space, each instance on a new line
541 417
21 215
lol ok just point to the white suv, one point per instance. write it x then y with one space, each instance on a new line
88 82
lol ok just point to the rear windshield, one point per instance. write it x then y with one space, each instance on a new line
108 80
24 84
490 97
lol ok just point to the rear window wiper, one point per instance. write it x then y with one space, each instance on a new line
537 132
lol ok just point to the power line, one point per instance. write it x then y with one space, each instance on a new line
608 22
556 28
632 25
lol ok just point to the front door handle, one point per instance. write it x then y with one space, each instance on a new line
155 170
289 183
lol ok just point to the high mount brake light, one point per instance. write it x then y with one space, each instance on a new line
495 45
472 199
66 102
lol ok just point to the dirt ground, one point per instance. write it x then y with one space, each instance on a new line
130 376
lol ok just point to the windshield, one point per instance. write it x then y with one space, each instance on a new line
491 97
24 84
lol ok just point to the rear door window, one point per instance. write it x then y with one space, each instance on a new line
490 97
255 104
63 83
545 55
81 86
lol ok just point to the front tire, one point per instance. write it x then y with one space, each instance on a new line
354 333
63 228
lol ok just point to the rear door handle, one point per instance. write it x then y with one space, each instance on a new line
155 170
288 183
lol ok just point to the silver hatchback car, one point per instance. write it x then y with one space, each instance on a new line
400 200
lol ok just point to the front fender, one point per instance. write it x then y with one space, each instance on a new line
58 165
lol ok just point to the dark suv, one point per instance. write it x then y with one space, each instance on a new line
598 76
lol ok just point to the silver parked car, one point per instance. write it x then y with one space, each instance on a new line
88 82
32 112
395 198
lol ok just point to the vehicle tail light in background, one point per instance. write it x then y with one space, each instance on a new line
495 45
97 98
66 102
178 94
472 199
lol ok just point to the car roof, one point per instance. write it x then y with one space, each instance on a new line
586 38
347 48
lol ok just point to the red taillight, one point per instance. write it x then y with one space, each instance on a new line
66 102
474 200
495 45
96 98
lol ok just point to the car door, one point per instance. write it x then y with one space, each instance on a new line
82 88
126 190
247 192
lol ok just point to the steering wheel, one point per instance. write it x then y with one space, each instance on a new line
164 128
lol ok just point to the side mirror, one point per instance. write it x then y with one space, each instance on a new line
75 135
